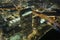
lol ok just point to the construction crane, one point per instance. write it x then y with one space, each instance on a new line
41 15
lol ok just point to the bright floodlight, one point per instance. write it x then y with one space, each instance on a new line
42 20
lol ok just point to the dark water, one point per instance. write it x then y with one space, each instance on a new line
52 35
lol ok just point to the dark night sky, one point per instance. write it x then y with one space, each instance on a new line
51 35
